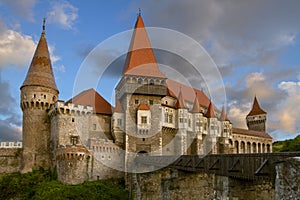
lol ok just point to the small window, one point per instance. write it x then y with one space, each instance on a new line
166 103
94 127
181 120
34 96
136 101
119 122
45 96
74 140
151 102
140 80
170 118
144 120
143 139
73 120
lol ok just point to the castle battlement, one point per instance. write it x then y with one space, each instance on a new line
11 144
77 152
60 107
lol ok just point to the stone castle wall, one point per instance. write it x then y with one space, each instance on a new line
10 160
288 179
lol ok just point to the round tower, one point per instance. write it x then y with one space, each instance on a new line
38 93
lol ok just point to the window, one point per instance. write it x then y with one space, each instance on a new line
34 96
44 96
166 117
73 120
94 126
136 101
189 122
140 80
181 120
151 102
74 140
170 118
144 120
119 122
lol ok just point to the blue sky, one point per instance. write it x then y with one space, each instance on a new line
255 45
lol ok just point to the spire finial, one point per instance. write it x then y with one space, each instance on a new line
44 23
139 14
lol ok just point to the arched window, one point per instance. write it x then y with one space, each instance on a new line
236 145
243 147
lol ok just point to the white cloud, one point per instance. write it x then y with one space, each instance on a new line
289 113
64 14
15 49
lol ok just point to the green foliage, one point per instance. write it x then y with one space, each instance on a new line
287 145
42 184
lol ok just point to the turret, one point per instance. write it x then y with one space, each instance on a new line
182 123
140 91
118 123
213 127
38 93
257 117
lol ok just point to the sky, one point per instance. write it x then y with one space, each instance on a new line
254 44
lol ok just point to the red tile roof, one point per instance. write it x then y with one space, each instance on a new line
210 111
188 93
196 106
180 101
118 107
251 133
91 98
140 58
143 107
223 116
256 110
40 71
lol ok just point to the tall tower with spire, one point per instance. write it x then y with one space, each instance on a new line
140 91
257 117
38 93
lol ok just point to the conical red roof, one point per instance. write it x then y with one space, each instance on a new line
196 106
40 71
256 110
140 58
91 98
180 101
118 107
210 111
223 116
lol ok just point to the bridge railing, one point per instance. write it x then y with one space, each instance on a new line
242 166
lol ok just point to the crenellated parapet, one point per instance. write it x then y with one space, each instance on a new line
60 107
72 152
13 144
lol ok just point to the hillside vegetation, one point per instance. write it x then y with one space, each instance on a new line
287 145
42 184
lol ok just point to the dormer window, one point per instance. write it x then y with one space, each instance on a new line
144 120
74 140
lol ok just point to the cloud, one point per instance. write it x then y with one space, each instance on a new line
239 33
16 49
289 112
22 8
63 13
10 119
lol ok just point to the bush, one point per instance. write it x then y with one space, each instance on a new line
42 184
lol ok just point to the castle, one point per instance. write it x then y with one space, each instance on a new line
86 138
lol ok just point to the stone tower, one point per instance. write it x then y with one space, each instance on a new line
140 91
257 117
38 93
